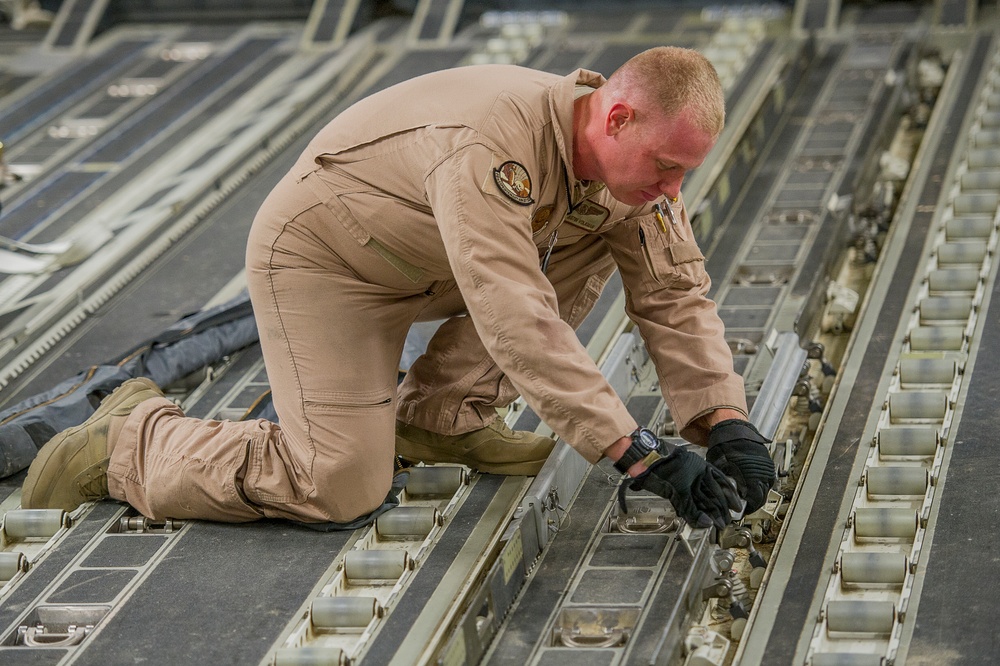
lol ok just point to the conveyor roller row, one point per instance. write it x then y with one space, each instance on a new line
367 581
867 599
24 535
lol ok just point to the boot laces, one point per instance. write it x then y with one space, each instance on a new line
95 487
501 427
93 482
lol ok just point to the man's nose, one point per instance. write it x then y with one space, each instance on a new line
672 186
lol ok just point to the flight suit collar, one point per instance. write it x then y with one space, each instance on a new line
561 100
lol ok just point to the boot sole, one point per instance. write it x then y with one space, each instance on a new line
415 453
41 462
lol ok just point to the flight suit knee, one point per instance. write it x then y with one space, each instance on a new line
349 441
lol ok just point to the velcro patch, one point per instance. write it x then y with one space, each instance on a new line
515 183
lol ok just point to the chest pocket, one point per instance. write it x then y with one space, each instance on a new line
672 260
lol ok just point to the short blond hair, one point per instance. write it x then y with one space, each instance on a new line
671 79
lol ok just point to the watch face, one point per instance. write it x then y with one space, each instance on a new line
647 440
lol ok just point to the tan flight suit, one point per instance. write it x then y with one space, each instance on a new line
436 198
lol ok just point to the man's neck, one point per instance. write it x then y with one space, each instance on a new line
583 108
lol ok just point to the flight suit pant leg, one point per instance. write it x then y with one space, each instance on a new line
331 332
169 466
455 386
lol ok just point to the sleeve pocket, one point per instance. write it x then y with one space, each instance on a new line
671 260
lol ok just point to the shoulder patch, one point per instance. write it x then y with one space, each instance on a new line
514 181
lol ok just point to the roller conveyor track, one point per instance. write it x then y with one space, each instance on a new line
870 572
870 595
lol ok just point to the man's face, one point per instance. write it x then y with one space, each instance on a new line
645 160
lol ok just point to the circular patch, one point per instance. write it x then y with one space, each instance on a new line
541 218
514 181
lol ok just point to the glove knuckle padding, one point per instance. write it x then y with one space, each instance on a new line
734 430
739 451
753 460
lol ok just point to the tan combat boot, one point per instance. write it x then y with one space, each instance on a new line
495 449
72 467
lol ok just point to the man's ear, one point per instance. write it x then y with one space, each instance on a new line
619 115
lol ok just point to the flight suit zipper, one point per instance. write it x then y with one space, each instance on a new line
548 251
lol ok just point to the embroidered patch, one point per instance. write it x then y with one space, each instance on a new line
588 215
541 218
514 181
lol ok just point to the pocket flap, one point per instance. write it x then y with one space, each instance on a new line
685 252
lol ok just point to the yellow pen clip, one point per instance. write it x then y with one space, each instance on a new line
659 217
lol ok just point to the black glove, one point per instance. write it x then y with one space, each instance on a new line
739 451
699 493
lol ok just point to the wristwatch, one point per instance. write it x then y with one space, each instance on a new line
644 443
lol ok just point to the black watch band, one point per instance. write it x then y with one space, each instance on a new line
644 442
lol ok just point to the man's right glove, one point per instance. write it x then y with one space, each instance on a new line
736 448
699 493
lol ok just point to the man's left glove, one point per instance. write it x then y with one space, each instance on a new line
699 493
740 452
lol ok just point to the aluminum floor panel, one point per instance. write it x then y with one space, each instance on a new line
730 237
62 90
221 597
164 118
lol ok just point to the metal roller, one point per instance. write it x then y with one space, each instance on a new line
990 119
34 523
937 338
986 138
977 203
918 405
897 481
873 568
878 524
343 612
907 441
375 564
846 659
860 617
737 628
983 179
12 564
958 228
927 370
309 656
407 522
438 481
945 308
961 252
779 384
984 158
953 279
